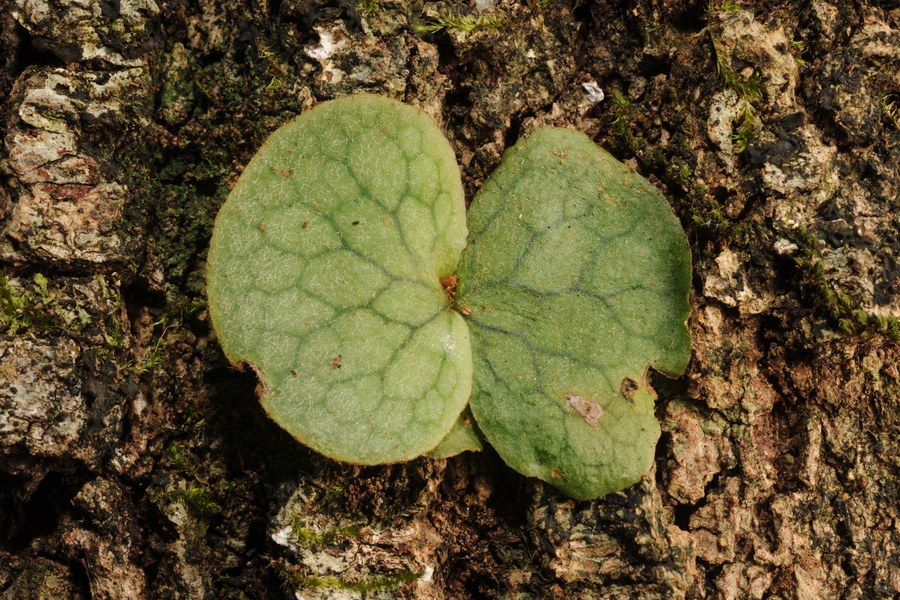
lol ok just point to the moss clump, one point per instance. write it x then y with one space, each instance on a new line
459 22
889 108
304 536
748 89
196 498
19 309
37 306
299 578
623 127
839 308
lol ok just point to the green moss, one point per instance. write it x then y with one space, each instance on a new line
460 22
196 498
840 309
374 583
303 536
178 457
17 308
797 49
889 108
37 306
726 6
674 168
749 127
117 337
749 90
623 128
707 212
367 8
674 171
198 501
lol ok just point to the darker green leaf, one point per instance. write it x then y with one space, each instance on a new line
577 276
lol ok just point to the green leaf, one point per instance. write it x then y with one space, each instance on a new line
577 276
324 274
464 437
327 273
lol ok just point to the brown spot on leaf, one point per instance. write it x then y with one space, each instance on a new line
629 388
556 473
590 410
336 362
285 173
449 284
262 388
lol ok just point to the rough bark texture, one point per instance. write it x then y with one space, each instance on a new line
136 463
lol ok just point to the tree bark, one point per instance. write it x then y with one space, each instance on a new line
135 462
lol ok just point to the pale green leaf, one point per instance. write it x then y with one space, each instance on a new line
464 437
324 274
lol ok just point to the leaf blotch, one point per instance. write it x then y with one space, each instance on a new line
590 410
629 389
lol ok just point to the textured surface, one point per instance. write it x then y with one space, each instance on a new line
324 274
577 276
52 411
69 201
776 475
110 33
